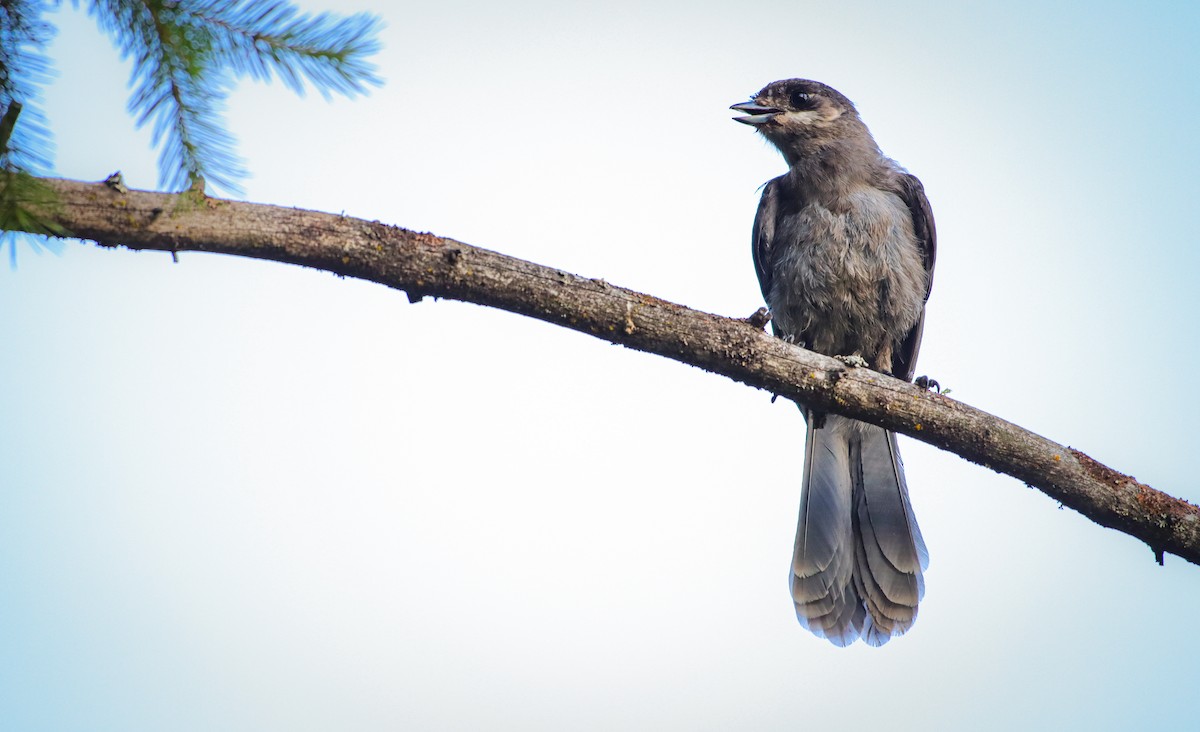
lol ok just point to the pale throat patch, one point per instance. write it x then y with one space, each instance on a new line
817 117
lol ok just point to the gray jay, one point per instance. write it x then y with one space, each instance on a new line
843 246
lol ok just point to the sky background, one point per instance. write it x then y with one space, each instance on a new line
240 495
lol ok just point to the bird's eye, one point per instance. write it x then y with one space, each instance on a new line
801 100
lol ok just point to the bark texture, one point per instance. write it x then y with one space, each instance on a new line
422 264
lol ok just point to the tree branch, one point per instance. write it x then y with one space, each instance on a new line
428 265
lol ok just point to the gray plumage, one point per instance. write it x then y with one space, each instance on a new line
844 246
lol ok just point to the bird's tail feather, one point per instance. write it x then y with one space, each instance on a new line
856 571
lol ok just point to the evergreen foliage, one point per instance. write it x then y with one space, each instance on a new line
23 71
186 55
187 52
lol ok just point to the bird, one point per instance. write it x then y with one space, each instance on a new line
844 246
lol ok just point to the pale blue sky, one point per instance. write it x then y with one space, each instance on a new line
238 495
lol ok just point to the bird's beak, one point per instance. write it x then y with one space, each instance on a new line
756 113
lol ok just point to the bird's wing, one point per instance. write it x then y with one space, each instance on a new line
913 194
764 234
904 359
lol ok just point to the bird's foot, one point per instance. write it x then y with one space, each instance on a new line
930 384
760 318
854 360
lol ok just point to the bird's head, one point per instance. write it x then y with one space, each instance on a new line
799 112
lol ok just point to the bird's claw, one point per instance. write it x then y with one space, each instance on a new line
759 318
929 384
